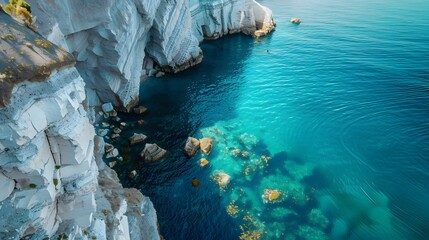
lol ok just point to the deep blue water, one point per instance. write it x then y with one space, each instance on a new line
341 105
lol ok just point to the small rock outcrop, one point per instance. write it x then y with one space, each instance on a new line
191 147
203 162
152 153
26 56
295 20
137 138
206 145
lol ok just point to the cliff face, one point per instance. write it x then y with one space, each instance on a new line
118 42
51 182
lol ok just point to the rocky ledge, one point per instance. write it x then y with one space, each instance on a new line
25 56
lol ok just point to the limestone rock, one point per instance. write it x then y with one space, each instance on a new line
159 74
140 110
206 145
108 147
107 107
203 162
295 20
191 147
113 153
132 174
117 130
137 138
152 153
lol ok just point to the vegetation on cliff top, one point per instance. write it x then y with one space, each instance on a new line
19 10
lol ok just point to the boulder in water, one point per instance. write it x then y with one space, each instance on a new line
203 162
108 147
132 174
152 153
140 110
107 107
206 145
191 147
295 20
113 153
137 138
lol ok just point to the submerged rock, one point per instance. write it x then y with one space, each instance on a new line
317 218
140 110
222 179
112 164
117 130
159 74
102 132
196 183
206 145
271 195
137 138
236 152
114 135
113 153
191 147
107 107
153 153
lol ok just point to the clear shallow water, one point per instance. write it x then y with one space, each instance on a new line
341 105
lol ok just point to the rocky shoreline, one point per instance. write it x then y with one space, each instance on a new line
51 160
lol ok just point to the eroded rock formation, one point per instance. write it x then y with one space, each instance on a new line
117 42
51 184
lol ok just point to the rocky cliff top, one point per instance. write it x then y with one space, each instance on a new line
25 55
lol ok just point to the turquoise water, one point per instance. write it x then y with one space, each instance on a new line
338 107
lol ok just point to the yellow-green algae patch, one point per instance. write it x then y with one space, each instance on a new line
25 55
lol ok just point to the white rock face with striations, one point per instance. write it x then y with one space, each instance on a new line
113 41
49 177
214 19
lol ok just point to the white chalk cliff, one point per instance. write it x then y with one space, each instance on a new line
54 182
112 40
